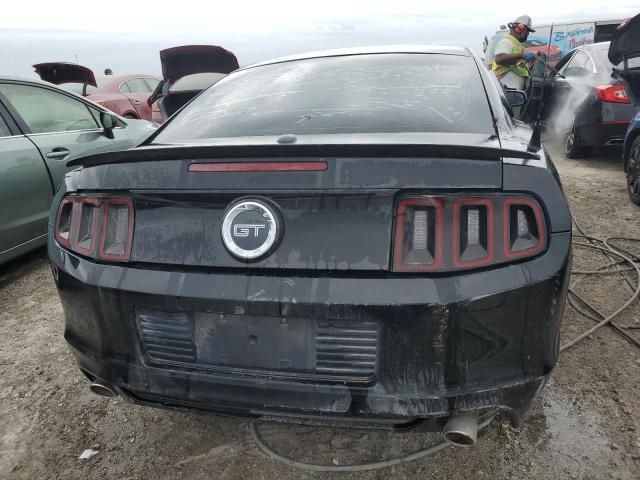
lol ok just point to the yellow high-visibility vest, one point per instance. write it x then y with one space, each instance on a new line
519 68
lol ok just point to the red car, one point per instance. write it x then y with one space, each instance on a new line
125 95
186 71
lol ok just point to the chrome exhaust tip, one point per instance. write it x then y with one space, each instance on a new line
103 390
461 430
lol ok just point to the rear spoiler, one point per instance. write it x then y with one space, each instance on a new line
160 152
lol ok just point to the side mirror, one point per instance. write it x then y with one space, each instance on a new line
515 98
109 122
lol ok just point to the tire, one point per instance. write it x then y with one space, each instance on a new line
571 144
131 116
633 172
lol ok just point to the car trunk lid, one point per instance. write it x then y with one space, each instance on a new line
62 72
191 59
337 202
624 52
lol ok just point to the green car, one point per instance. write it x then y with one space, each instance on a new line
42 127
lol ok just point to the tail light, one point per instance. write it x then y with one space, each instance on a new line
612 94
473 235
418 242
523 231
97 227
63 222
447 233
86 227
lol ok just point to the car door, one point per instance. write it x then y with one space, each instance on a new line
61 125
137 91
25 191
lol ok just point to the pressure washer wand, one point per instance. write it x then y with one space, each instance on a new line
549 67
535 142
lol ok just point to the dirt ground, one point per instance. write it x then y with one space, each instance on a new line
586 424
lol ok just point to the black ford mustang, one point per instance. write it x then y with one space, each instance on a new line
352 237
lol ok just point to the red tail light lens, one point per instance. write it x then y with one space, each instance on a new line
612 94
449 232
97 227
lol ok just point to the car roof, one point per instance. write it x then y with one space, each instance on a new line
105 81
595 46
18 78
124 78
381 49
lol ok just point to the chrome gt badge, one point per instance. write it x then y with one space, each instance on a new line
250 229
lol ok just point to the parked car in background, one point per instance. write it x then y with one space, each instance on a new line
125 95
180 93
42 127
186 71
624 52
355 238
583 105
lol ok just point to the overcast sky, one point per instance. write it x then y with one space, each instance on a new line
126 36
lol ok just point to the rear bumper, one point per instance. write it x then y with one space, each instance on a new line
603 134
488 339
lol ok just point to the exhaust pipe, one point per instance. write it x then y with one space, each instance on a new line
103 390
461 430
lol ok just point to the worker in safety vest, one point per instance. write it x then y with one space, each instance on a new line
511 61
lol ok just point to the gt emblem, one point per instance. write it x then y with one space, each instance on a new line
250 229
244 230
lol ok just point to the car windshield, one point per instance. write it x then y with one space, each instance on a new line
373 93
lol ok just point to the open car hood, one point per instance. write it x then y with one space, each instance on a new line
62 72
624 52
190 59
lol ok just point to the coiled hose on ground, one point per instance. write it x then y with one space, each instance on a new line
621 262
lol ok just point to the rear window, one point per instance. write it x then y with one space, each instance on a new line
197 81
383 93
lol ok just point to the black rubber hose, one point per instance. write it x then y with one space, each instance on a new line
312 467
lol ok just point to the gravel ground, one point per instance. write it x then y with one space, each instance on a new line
585 425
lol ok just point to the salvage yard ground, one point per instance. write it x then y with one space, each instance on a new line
586 425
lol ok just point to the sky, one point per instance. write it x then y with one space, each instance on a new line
127 36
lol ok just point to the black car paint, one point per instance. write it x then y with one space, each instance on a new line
448 342
443 350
